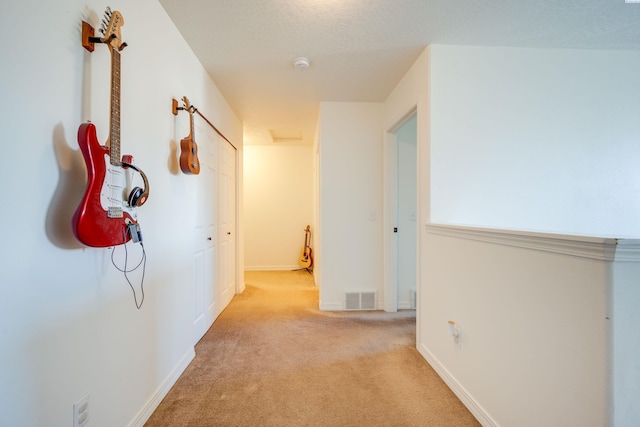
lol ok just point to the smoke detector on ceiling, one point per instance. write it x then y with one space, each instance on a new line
301 63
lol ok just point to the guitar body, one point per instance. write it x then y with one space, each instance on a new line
305 260
102 216
189 163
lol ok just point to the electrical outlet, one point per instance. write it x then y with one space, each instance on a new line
81 412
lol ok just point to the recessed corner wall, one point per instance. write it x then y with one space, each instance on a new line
278 205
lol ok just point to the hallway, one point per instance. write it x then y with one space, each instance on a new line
273 359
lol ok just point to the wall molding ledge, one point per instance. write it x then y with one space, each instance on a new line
628 250
598 248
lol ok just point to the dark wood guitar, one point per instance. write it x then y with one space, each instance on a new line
106 209
306 260
189 163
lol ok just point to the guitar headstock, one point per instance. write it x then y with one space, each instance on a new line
187 105
110 29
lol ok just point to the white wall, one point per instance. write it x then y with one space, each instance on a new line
279 194
68 324
536 139
626 339
534 322
350 205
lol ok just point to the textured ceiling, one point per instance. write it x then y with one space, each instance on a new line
359 49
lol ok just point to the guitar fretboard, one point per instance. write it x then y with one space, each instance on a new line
191 135
114 137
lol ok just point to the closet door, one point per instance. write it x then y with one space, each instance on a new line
204 258
226 222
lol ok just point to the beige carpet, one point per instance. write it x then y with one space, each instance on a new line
273 359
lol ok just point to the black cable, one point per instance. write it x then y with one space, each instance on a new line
143 262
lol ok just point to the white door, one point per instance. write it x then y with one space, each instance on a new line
205 235
406 214
400 218
226 223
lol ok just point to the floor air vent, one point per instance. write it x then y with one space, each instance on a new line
360 300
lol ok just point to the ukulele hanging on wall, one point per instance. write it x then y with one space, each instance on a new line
189 163
107 209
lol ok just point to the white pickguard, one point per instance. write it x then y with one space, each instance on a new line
115 188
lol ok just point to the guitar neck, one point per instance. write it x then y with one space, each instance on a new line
190 124
114 136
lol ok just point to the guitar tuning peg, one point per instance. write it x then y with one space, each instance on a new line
122 46
108 11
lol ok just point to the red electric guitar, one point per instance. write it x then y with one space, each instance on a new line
108 206
189 163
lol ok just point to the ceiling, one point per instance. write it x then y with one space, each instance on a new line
360 49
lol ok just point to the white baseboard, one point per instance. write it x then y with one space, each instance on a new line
271 267
331 307
153 402
341 307
474 407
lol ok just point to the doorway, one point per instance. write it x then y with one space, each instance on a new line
406 138
401 224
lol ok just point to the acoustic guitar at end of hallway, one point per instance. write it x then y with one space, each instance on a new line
306 260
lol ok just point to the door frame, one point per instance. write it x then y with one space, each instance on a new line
238 226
